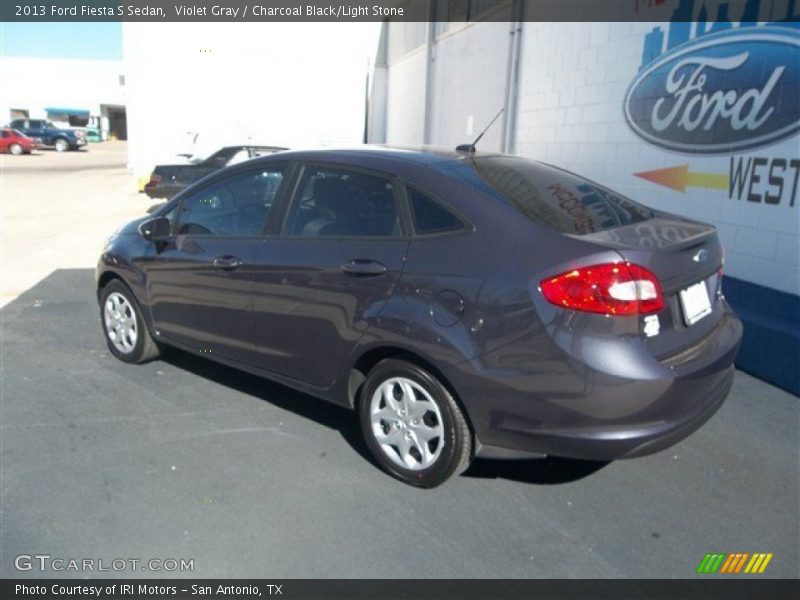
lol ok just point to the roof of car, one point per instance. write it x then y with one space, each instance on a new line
264 146
417 154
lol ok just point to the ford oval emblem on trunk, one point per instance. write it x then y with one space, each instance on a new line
701 256
722 92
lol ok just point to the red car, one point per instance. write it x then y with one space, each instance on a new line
15 142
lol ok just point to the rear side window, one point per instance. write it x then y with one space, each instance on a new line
340 202
429 216
558 199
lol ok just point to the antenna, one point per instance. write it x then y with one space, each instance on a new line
471 147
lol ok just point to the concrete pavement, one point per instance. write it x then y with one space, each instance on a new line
58 208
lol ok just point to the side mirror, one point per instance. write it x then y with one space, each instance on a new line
155 229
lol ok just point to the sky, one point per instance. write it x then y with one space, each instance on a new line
62 40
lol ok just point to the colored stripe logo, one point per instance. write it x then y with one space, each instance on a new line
737 562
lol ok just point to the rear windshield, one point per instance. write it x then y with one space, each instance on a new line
556 198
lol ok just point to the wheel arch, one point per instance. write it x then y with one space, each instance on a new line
371 357
110 275
106 278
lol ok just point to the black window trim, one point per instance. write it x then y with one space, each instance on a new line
466 228
178 201
397 193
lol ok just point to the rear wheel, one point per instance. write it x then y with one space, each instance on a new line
126 334
15 149
413 425
61 145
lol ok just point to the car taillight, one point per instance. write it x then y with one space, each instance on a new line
155 178
609 289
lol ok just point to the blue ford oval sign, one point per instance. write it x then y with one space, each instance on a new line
720 93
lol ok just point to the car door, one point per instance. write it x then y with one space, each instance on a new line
321 282
36 128
200 280
5 140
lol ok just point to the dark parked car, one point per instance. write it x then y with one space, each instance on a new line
463 304
50 135
168 180
15 142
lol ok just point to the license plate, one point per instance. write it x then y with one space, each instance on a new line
695 302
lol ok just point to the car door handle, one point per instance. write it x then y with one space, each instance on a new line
227 263
362 267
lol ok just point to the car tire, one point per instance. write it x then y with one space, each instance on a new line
15 149
412 425
61 145
123 324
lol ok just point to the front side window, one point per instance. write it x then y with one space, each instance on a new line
235 206
338 202
429 216
171 214
4 134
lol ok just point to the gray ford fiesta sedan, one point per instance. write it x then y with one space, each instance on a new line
464 304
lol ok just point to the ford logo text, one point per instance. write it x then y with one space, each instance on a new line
720 93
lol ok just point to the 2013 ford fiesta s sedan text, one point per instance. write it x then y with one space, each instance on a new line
463 304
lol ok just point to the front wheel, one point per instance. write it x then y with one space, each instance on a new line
125 331
413 425
61 145
15 149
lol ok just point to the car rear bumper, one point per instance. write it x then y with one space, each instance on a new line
593 415
597 440
157 190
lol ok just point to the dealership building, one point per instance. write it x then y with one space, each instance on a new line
693 112
195 87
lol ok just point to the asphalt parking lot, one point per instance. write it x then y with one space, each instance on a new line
182 458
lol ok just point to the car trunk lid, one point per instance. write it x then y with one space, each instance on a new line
686 257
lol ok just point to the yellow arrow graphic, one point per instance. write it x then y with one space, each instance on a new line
679 178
